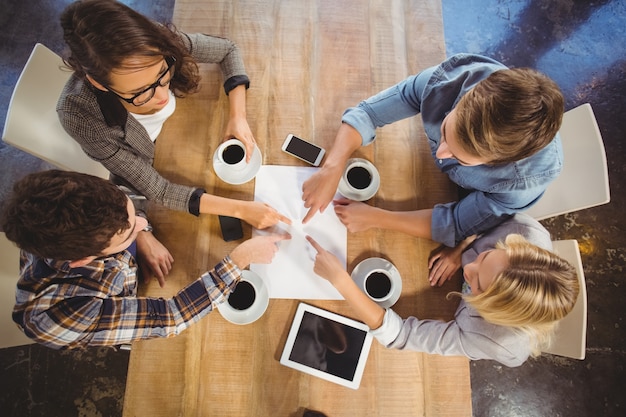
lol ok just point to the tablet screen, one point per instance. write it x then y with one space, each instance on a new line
327 345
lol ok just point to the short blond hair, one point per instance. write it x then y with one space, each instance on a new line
510 115
535 291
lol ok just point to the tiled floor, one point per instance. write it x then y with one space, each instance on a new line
580 44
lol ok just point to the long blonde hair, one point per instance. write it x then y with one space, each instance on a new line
537 289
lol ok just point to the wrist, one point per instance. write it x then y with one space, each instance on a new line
347 141
335 165
342 281
236 115
237 100
240 257
239 209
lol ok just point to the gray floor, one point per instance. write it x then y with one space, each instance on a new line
580 44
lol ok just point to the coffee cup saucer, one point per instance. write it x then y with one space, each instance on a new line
366 266
364 194
236 177
256 310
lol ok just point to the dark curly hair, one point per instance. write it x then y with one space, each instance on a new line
102 34
64 215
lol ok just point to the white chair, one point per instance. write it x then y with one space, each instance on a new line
32 124
571 335
584 180
9 274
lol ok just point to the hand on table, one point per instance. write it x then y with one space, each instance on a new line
153 258
443 264
318 191
258 250
261 216
355 215
238 128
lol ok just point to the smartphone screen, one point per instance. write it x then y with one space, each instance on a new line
303 150
231 228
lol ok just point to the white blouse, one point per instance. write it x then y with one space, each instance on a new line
153 123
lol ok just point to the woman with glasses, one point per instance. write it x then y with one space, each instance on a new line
515 290
128 73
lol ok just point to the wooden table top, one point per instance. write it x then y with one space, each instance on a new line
308 61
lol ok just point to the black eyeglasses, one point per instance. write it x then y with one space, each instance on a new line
146 95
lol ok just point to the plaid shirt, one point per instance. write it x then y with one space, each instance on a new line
97 304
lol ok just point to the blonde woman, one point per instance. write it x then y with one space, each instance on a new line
515 291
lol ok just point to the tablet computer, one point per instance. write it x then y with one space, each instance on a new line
327 345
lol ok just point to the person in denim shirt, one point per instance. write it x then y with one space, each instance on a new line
492 130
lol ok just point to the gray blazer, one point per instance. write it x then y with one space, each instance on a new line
126 150
468 334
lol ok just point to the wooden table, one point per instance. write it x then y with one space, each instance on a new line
308 61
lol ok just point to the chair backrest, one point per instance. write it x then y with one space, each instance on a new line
571 336
584 180
9 274
32 124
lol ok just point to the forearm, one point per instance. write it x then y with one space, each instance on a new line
347 141
159 317
213 204
364 308
237 102
415 223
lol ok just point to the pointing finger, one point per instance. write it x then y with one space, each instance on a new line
284 219
313 243
309 215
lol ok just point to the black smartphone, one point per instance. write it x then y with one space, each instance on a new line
231 228
303 150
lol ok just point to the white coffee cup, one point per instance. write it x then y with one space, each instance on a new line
232 153
378 285
360 180
247 302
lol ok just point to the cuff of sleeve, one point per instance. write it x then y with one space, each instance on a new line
442 228
194 201
235 81
390 329
361 121
227 273
221 280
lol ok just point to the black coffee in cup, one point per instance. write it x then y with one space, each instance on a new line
359 177
243 296
233 154
378 284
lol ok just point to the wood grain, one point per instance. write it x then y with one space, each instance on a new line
308 61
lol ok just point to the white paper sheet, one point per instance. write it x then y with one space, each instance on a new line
290 275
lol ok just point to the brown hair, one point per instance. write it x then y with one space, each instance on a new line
64 215
510 115
102 34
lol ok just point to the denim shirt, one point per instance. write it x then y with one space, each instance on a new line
493 192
